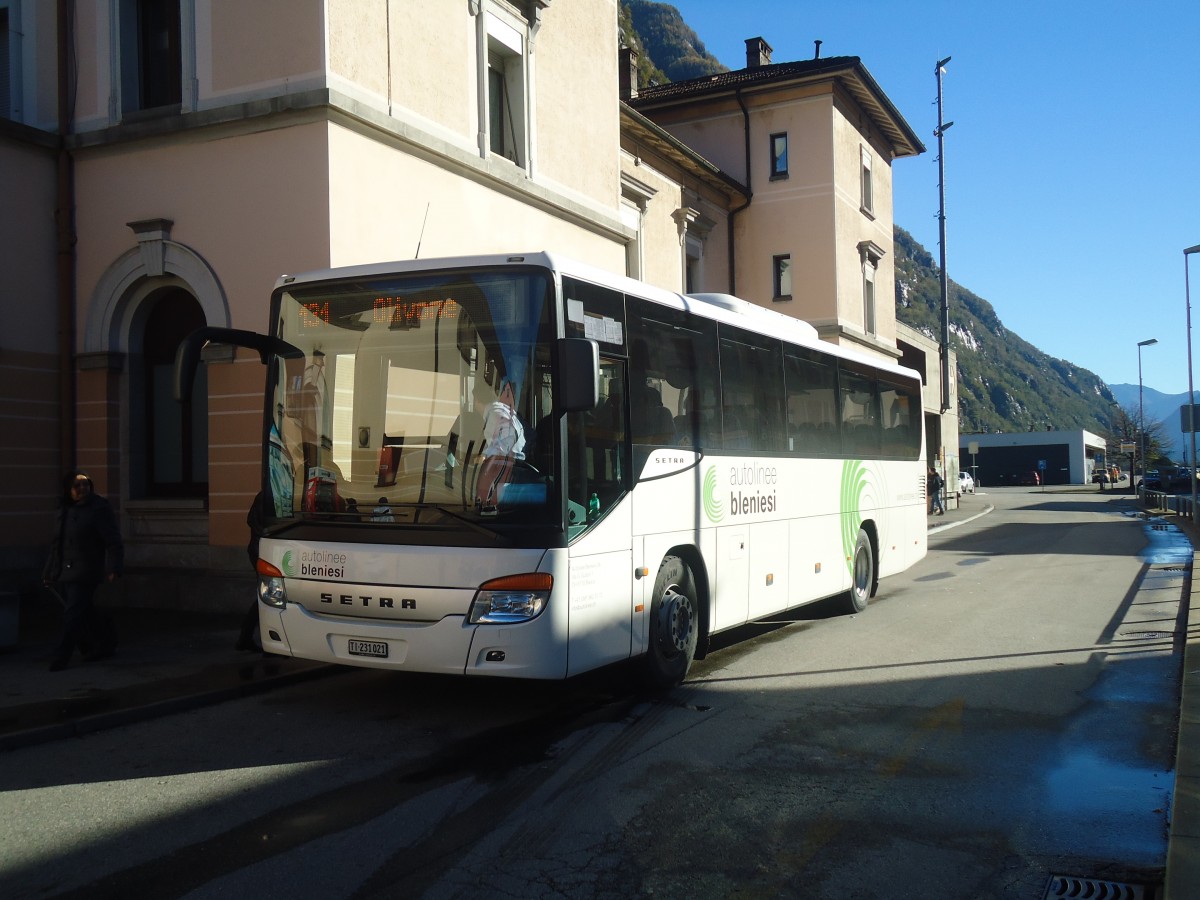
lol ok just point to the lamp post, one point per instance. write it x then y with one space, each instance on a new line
1142 410
1187 292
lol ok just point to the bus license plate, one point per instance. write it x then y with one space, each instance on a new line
376 649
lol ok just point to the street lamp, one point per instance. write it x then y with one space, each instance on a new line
1187 292
1142 409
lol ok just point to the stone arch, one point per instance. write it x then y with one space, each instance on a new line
119 291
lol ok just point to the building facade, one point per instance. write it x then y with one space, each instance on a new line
164 163
813 142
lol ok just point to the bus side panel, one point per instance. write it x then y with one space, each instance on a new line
818 564
908 536
769 575
731 574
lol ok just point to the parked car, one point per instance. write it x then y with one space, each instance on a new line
1100 476
966 484
1152 481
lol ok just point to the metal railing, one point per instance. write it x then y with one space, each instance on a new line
1179 504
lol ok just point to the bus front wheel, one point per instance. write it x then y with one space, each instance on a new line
674 625
862 574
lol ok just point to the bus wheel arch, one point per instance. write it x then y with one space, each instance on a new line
864 569
674 623
872 532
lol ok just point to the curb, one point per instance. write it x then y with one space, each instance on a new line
947 525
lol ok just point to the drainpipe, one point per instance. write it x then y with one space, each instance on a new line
749 194
64 221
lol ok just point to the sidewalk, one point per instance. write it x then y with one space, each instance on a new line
166 661
1183 851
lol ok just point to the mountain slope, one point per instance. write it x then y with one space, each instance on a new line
1004 382
667 44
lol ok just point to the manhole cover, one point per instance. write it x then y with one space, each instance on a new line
1091 889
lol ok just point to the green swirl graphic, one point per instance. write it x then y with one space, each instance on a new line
713 508
854 484
289 563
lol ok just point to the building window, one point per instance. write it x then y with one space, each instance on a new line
5 68
870 254
782 266
869 297
10 61
506 112
868 188
631 217
151 60
779 156
635 197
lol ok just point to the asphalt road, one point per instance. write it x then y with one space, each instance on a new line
1001 713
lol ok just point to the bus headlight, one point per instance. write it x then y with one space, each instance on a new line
514 598
271 590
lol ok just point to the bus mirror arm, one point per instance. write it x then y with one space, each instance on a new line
188 355
579 375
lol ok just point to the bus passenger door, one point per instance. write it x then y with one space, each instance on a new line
599 522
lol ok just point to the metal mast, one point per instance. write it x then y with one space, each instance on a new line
944 348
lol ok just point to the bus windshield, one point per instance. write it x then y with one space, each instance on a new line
416 400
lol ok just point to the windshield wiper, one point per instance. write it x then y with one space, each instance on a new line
450 513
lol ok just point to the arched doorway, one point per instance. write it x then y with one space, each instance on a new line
170 439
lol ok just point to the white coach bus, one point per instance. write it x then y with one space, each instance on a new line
523 466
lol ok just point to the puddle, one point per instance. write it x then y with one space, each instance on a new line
1110 798
1165 544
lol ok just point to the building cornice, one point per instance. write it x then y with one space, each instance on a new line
326 105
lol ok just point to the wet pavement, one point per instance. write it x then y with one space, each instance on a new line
169 661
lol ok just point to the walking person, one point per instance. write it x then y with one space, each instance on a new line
934 482
86 551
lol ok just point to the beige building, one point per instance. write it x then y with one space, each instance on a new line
813 142
921 352
162 164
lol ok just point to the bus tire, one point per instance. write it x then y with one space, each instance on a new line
862 575
674 625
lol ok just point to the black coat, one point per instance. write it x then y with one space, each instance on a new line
87 542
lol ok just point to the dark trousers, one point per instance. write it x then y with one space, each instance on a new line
80 619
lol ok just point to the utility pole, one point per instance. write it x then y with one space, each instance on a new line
942 127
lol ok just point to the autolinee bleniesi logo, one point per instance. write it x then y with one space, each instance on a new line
315 564
713 508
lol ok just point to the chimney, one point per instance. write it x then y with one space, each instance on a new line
627 73
758 53
817 50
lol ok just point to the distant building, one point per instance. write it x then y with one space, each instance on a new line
1057 457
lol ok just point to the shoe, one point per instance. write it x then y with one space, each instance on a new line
58 664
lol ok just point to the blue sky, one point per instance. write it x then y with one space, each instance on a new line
1072 184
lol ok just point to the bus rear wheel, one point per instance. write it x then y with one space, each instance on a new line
862 574
674 625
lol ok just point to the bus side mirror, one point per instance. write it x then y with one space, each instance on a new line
188 355
578 375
